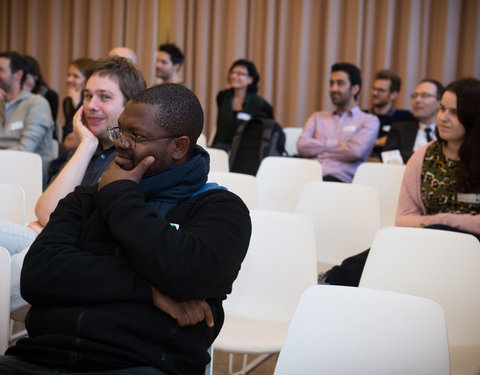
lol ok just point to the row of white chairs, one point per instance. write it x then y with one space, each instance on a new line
281 180
355 335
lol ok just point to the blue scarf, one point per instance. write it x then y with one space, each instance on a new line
175 183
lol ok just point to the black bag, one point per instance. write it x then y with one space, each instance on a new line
254 140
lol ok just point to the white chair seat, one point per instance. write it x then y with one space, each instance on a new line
236 336
350 331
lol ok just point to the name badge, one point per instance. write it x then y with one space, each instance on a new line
349 128
386 128
468 198
392 157
243 116
176 226
15 125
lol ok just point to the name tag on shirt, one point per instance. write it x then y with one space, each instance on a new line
386 128
243 116
349 129
15 125
468 198
392 157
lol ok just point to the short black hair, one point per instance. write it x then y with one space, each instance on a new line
178 110
395 80
252 72
352 71
175 54
438 85
17 62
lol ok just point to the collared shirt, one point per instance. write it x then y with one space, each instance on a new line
98 164
340 142
26 124
421 138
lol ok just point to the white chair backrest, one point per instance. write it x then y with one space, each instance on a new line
12 203
244 185
218 159
387 178
23 169
4 299
278 268
440 265
346 218
345 331
291 136
202 140
281 180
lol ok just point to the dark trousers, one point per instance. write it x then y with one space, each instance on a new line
349 272
10 365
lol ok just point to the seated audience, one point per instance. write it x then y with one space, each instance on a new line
441 185
35 84
239 103
101 274
26 118
71 103
111 82
408 137
340 140
385 89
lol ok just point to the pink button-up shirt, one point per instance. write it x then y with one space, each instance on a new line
340 142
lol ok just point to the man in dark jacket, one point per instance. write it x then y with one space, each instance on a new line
110 272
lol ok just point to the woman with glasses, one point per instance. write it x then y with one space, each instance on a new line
239 103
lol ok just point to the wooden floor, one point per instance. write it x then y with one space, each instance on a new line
220 364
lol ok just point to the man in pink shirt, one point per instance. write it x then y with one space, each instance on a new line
342 139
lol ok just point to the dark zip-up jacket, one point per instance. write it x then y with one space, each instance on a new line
88 276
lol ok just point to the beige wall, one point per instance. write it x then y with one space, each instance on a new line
292 42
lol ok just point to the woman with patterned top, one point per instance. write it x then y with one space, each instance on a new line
441 185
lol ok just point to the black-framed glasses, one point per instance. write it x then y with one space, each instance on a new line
129 140
422 95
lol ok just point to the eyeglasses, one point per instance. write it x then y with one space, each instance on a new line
422 95
238 73
383 91
129 140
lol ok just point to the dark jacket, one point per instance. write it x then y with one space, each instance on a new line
88 277
402 137
227 118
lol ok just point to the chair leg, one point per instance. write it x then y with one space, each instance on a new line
247 367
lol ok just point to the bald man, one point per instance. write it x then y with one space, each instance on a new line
124 52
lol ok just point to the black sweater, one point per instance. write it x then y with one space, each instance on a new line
88 276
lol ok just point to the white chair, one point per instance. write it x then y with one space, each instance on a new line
281 180
202 140
218 159
23 169
387 178
278 268
291 136
12 203
4 298
439 265
244 185
346 219
340 330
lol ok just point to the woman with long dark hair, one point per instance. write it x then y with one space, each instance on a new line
441 185
239 103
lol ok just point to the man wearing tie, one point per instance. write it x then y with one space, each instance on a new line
407 137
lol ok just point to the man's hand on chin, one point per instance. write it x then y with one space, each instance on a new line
116 173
